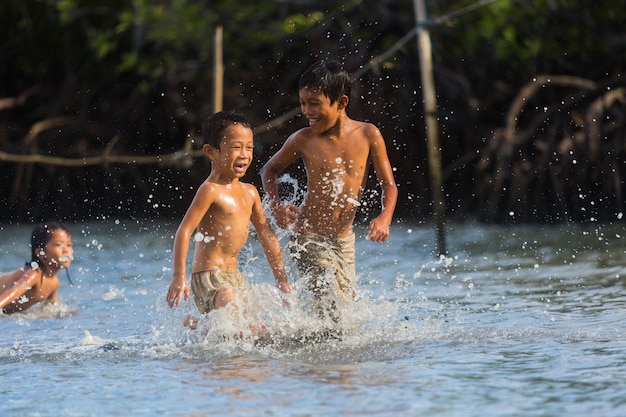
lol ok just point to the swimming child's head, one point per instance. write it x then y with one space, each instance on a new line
51 243
215 125
329 78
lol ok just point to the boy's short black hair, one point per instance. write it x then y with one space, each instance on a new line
329 77
214 126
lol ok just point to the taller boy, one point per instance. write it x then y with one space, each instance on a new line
335 150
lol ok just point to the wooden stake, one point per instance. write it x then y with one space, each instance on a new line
432 129
218 72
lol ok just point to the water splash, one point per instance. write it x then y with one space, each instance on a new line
113 293
270 323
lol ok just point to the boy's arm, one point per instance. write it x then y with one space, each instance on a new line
178 287
284 215
270 243
26 281
379 227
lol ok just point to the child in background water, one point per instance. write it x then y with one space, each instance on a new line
37 281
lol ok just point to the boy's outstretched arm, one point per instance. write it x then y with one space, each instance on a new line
284 214
379 227
178 288
270 243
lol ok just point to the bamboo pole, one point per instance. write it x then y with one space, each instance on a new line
432 128
218 77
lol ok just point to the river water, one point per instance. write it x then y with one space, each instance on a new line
516 321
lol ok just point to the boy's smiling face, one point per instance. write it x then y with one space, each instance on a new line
234 156
316 107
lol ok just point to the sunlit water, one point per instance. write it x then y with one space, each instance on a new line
517 321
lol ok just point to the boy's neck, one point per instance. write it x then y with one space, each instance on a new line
217 178
342 121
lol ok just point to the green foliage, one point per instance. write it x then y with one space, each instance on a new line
520 38
144 37
297 22
141 71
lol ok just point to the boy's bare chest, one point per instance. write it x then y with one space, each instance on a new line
232 205
336 158
350 148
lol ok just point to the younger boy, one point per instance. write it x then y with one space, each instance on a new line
218 219
335 150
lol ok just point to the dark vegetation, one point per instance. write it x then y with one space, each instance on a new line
101 102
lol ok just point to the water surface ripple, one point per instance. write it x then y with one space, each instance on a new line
516 321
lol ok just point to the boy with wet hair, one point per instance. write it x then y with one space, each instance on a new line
336 151
218 220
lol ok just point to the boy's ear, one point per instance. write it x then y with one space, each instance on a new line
342 103
209 151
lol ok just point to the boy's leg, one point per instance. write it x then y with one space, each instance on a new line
213 289
345 263
223 297
313 256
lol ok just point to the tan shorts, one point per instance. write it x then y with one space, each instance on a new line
205 284
327 264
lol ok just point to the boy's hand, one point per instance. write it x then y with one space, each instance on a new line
286 215
378 230
176 291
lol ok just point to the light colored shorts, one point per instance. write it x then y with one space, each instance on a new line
327 264
205 284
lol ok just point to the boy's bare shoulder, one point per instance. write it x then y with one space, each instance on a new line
249 187
300 135
251 192
206 194
369 129
207 187
371 133
361 128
